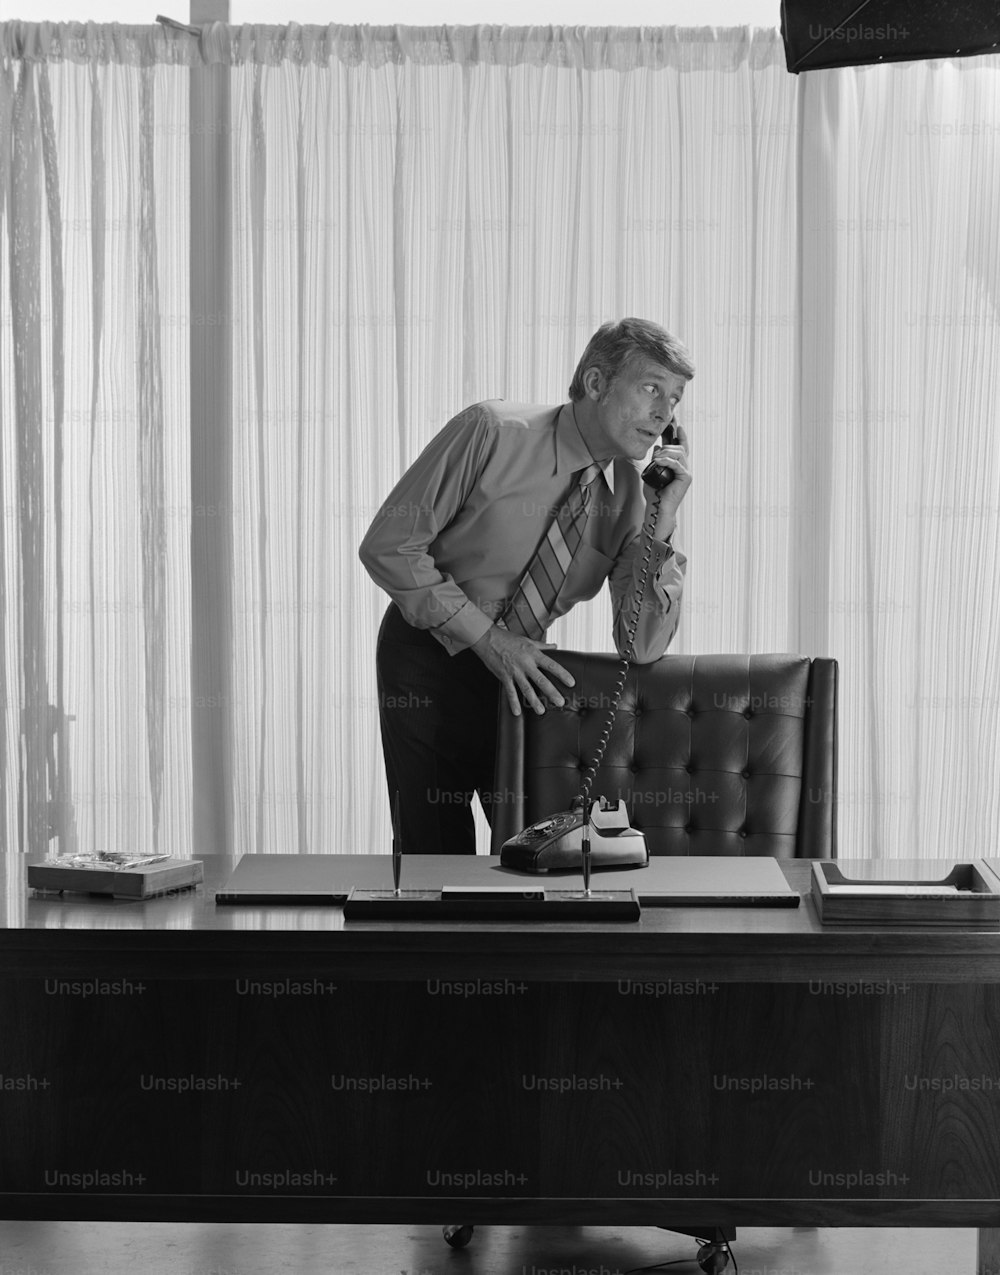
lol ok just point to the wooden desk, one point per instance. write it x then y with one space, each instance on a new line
701 1067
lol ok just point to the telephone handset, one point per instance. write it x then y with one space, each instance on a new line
557 842
658 476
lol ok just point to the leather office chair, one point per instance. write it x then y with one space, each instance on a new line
712 754
743 748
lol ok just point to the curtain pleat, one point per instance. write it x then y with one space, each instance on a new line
25 203
151 494
57 742
92 766
424 217
257 496
10 761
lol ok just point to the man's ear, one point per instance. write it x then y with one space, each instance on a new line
594 383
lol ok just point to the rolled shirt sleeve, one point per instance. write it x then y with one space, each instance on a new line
396 548
660 611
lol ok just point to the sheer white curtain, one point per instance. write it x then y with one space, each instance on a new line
422 218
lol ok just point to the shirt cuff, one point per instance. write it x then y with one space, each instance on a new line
463 629
662 552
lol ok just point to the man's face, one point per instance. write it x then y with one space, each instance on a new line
633 411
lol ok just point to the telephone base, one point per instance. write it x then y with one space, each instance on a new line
562 862
555 844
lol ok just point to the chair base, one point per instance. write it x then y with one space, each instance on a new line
712 1257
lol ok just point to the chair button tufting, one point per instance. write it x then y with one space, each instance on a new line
748 713
745 773
743 832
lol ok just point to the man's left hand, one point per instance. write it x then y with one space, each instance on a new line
671 456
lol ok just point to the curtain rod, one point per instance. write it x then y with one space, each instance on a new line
178 26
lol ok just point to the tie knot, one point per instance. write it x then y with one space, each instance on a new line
588 475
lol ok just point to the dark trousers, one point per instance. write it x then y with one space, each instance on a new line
438 714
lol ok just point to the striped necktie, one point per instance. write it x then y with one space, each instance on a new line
529 611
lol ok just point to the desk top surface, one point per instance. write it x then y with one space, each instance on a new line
24 911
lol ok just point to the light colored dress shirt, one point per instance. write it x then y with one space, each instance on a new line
455 535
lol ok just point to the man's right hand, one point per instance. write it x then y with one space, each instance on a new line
521 664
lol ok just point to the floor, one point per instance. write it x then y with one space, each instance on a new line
148 1248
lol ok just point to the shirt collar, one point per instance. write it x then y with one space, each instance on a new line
572 453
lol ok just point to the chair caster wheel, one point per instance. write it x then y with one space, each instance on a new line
713 1258
459 1236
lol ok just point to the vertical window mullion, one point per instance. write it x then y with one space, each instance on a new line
211 446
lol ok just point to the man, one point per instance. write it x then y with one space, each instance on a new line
501 525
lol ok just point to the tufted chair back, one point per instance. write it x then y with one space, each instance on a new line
712 754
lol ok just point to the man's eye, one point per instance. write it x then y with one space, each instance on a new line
653 389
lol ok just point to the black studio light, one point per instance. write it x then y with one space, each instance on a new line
817 34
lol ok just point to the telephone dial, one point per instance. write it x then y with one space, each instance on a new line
557 842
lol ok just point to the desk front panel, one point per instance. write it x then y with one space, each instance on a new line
321 1097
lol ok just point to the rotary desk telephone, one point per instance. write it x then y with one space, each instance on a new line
605 839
